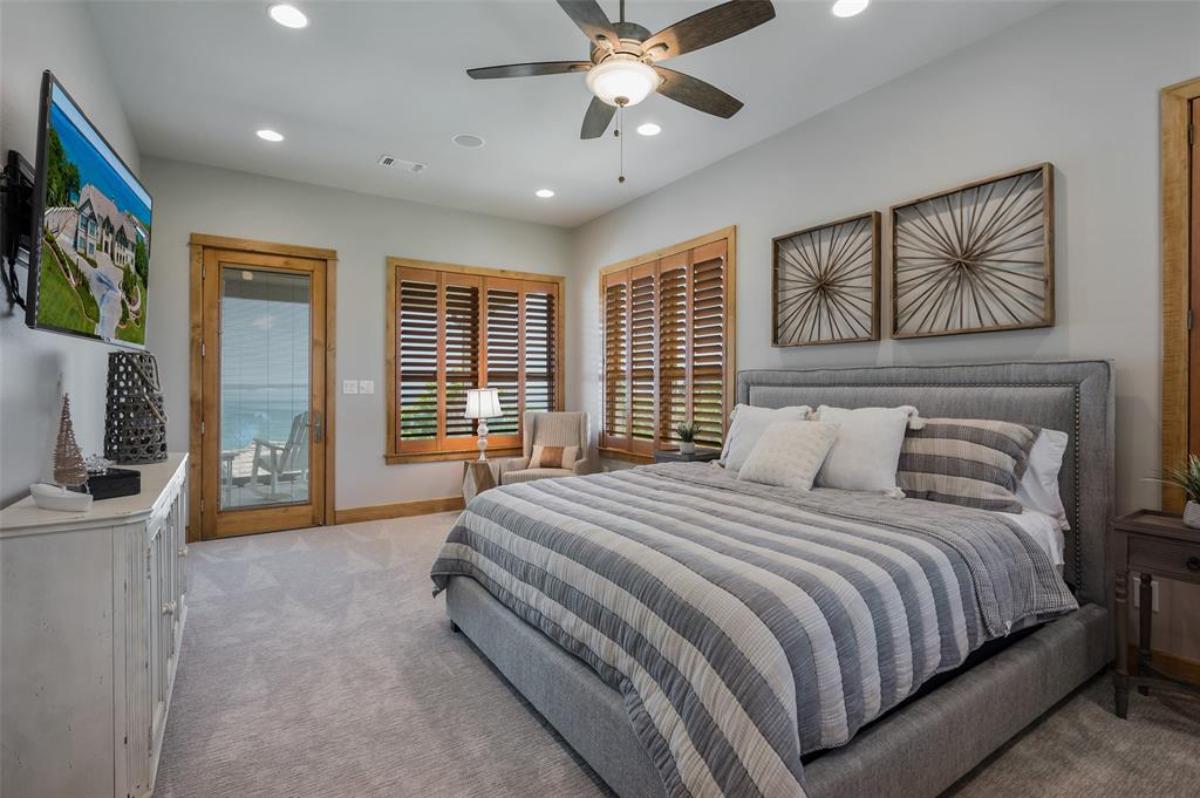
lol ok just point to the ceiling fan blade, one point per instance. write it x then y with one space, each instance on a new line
697 94
592 20
596 120
529 70
708 27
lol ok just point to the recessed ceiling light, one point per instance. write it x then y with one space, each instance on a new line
849 8
649 129
266 134
468 140
544 193
288 15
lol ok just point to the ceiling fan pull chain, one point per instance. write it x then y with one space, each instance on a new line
620 143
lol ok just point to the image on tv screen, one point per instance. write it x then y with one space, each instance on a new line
93 273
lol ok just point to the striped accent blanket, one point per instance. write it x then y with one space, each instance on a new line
747 625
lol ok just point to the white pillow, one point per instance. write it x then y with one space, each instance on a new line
1038 490
748 425
789 454
867 451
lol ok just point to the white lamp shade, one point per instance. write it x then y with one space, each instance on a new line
622 77
483 403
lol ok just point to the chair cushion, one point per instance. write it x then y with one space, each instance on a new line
530 474
553 456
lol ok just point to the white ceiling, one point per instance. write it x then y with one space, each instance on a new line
196 79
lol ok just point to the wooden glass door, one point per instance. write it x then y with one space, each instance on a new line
263 424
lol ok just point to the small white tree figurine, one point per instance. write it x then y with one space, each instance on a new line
69 468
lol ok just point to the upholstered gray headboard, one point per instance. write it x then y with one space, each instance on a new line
1073 396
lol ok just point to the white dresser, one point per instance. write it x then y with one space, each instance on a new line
92 607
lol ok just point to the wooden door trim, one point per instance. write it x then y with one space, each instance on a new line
1176 267
199 245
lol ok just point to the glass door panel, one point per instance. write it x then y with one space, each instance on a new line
265 387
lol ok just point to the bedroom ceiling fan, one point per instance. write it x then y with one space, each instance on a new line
623 69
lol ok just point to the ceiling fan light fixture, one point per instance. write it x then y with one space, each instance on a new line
622 81
849 8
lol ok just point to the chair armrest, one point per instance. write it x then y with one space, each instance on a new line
584 466
264 442
505 464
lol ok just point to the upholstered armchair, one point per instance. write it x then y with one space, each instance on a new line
548 433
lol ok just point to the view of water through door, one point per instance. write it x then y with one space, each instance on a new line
265 387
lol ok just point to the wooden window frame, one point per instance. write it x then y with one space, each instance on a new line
393 454
641 450
1177 287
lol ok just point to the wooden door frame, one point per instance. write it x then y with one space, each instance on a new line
198 244
1176 278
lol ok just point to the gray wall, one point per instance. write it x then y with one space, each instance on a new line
36 367
364 230
1074 86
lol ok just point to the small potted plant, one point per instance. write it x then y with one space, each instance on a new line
686 431
1187 479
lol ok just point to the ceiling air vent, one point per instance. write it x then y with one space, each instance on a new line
392 162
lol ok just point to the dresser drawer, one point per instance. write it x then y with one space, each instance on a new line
1177 560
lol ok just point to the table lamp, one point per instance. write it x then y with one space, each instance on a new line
483 403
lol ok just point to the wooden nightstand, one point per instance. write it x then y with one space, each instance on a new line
674 456
478 477
1153 544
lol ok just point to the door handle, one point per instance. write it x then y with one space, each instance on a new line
318 427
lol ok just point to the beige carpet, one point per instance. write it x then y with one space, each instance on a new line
316 663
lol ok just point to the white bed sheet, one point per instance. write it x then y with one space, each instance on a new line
1044 529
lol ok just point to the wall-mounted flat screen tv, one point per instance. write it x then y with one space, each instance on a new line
89 264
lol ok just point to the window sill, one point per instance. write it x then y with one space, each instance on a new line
395 458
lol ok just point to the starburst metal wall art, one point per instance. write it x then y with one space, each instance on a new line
977 258
825 284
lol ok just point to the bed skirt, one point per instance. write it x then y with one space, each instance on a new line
919 749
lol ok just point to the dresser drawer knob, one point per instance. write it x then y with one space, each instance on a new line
168 608
1193 563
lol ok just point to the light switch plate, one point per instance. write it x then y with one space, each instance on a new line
349 386
366 386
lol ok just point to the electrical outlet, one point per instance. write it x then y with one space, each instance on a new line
366 386
1135 587
349 386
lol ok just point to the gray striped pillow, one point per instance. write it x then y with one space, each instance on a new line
967 461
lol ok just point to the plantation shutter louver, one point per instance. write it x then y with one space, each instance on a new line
642 357
456 329
541 379
417 347
616 348
707 346
504 355
672 347
667 349
461 349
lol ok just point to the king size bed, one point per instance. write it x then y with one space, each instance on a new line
688 633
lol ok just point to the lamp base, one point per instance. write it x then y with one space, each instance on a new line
482 442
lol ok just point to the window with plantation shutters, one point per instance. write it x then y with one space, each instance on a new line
453 328
668 347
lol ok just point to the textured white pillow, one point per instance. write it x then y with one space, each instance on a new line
867 451
1038 490
748 425
789 454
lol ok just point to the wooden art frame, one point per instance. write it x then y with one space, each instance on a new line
825 283
981 253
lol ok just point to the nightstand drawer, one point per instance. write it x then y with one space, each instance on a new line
1178 560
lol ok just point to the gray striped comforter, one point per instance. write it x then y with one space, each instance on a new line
747 625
